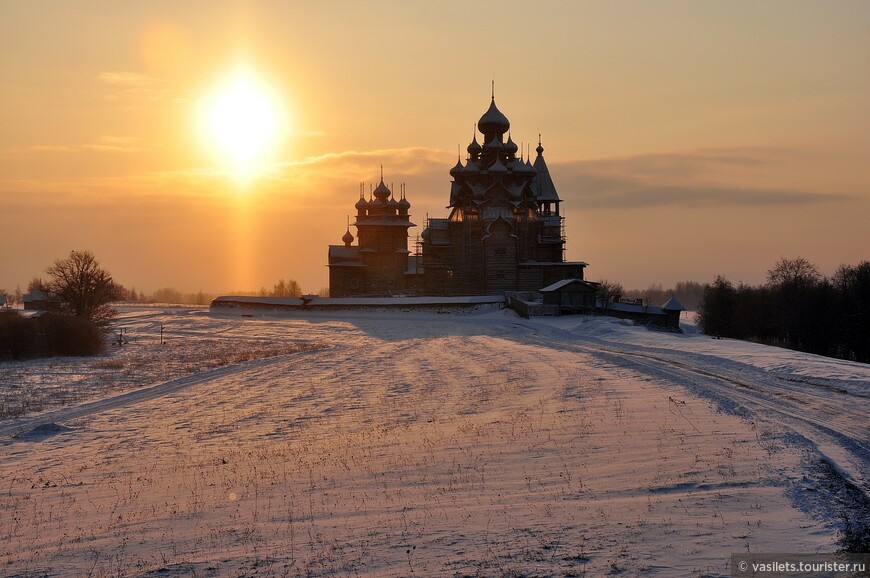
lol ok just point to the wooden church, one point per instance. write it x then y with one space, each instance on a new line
504 231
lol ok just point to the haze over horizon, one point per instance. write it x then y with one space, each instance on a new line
686 140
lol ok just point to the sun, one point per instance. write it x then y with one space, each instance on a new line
243 121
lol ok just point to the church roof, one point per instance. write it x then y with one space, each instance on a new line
542 184
497 167
471 167
382 191
523 168
493 121
342 256
474 148
510 146
386 222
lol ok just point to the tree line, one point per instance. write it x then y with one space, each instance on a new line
797 307
688 293
282 288
79 292
78 295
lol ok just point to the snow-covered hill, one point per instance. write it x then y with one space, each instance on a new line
400 443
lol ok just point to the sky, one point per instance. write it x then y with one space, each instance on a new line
686 139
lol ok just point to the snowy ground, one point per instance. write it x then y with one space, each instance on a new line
144 356
427 444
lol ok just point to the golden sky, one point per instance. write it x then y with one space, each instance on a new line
687 139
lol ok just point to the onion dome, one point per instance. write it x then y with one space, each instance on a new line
497 167
474 148
426 234
347 238
493 146
511 147
457 169
404 204
539 149
376 206
382 191
393 205
493 121
361 204
530 166
471 167
522 167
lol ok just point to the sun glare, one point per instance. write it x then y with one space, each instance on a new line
243 123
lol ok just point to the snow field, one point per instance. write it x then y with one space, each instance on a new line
424 444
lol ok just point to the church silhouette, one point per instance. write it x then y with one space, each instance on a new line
504 231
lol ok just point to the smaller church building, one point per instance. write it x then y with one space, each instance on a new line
380 263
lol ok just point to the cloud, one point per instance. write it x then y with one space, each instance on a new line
720 177
106 144
132 88
26 151
127 79
404 161
701 179
116 144
322 179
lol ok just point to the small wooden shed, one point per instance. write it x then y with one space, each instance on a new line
571 295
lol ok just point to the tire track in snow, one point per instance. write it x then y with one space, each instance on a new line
69 413
750 393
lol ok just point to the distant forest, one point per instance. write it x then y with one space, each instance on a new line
797 308
283 288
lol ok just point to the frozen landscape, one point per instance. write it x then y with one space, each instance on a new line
432 444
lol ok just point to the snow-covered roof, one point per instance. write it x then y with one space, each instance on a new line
258 300
673 305
360 301
400 301
635 308
554 263
35 296
342 252
559 284
347 264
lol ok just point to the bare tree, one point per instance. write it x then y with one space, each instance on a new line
82 288
609 291
794 273
37 284
287 289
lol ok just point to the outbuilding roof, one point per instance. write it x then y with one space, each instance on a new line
673 305
565 282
